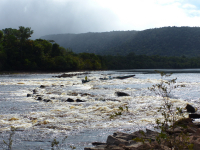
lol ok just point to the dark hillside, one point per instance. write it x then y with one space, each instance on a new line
166 41
91 42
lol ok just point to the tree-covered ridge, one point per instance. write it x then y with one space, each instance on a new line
166 41
19 53
97 43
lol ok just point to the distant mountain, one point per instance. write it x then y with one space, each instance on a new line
165 41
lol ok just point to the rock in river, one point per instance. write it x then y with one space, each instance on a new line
190 108
121 94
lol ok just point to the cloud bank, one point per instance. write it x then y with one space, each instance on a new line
80 16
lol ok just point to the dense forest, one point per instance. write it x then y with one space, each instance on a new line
165 41
19 53
132 61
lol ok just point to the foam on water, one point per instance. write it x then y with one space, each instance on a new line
58 116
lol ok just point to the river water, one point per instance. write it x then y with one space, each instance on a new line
38 123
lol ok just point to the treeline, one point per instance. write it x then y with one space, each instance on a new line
132 61
19 53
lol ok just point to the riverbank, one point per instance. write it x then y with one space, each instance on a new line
186 136
45 72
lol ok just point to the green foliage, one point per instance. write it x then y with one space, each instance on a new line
72 147
1 35
120 111
132 61
19 53
170 114
10 140
54 143
171 117
57 145
24 33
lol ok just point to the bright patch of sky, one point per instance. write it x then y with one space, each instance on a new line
145 14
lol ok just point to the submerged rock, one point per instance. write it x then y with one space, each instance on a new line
29 95
121 94
86 94
71 75
39 98
73 94
47 100
69 100
78 100
35 91
43 86
194 116
85 81
124 77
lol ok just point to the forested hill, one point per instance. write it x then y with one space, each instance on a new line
165 41
92 42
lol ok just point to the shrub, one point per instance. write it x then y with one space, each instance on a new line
171 115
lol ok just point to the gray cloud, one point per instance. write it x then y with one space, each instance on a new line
54 17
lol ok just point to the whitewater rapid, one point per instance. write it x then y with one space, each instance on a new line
100 101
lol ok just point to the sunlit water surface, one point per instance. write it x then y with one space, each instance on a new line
37 123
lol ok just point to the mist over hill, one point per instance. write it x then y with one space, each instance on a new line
165 41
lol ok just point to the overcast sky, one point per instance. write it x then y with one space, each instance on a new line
81 16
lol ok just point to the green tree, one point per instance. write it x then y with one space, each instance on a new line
1 35
24 33
55 50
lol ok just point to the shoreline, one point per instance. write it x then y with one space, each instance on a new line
43 72
144 71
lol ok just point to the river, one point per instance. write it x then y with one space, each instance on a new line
38 123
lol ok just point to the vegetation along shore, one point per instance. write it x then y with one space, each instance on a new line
19 53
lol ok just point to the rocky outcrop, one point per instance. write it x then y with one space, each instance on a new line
124 77
71 75
43 98
79 100
47 100
190 108
124 141
194 116
71 100
29 95
44 86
